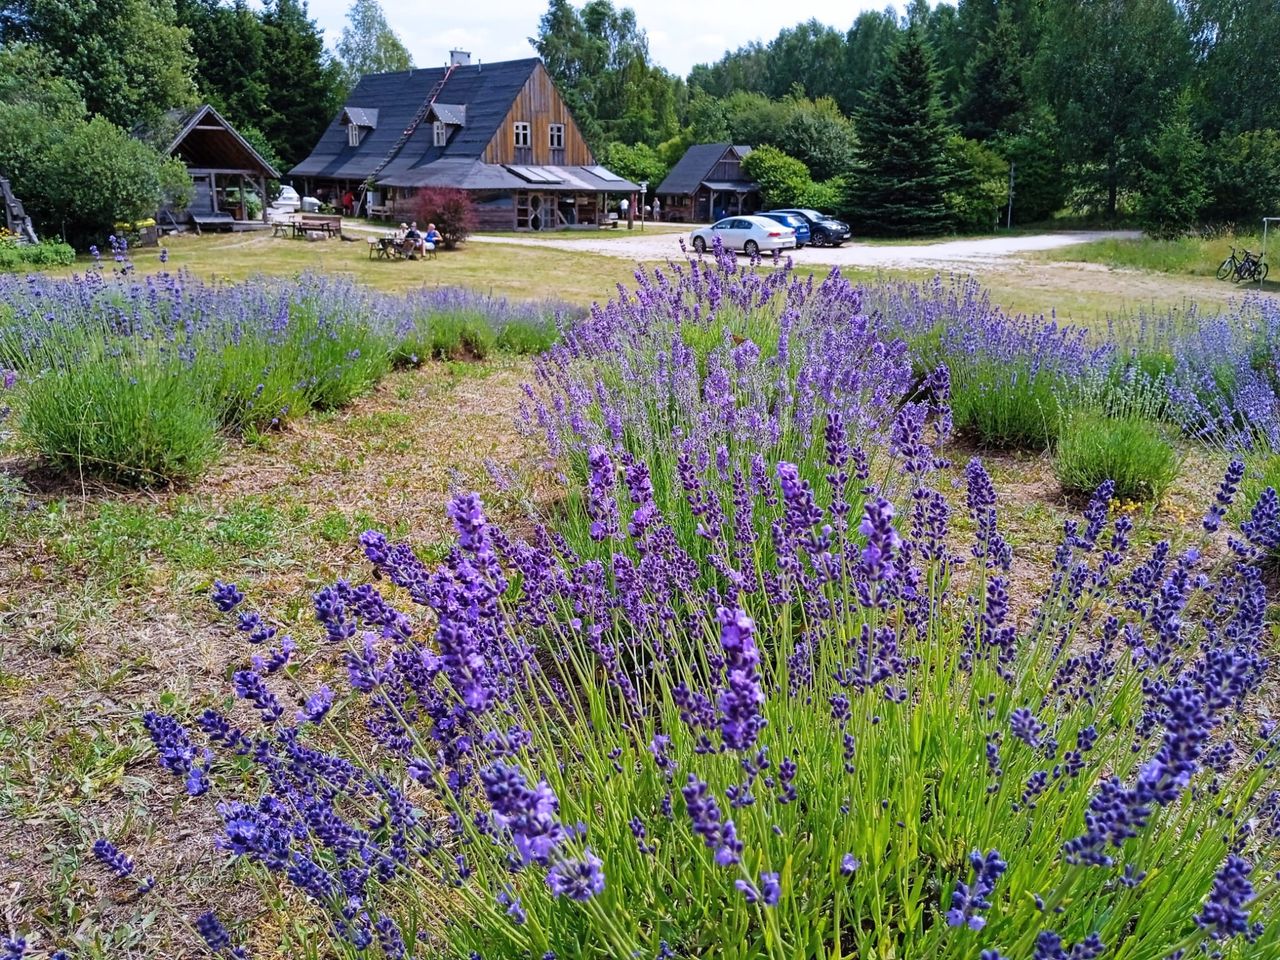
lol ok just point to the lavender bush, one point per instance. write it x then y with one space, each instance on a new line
133 377
858 752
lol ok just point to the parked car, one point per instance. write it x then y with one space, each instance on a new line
824 231
752 235
287 200
796 222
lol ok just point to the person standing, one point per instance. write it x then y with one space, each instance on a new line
623 207
657 210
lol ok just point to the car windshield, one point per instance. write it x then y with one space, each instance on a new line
813 214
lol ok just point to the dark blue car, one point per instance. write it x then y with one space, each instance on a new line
795 222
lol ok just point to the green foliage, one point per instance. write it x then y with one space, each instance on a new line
903 174
369 45
1135 454
783 180
75 175
1040 186
1243 172
980 191
301 82
1235 67
995 92
599 59
819 135
229 45
1111 429
638 162
1109 69
130 59
824 196
132 420
1172 191
1005 409
46 253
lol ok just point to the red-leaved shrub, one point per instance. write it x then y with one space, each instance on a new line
451 210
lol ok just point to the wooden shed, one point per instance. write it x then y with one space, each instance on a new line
230 176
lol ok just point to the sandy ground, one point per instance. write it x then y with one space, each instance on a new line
949 254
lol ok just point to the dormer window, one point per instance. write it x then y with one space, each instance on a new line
439 133
523 137
555 136
353 135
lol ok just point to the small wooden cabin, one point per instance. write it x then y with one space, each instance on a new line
230 176
708 184
500 131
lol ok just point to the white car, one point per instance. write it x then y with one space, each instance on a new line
751 235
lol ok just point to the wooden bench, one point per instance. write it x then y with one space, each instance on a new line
327 223
382 212
611 222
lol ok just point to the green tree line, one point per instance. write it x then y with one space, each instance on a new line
87 89
1160 110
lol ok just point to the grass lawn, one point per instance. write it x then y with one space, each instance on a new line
1186 256
519 272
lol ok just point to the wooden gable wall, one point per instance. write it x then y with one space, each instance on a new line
539 103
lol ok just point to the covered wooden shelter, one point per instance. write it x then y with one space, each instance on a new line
230 176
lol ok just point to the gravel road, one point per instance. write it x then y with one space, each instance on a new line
950 253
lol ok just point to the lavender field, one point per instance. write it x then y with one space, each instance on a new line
796 619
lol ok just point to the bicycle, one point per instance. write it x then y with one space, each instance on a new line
1251 268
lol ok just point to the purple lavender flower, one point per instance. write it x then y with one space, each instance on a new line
250 686
528 814
176 752
1225 495
1224 914
577 879
743 695
317 705
226 596
116 861
968 898
849 864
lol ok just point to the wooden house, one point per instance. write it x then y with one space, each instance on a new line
500 131
229 175
708 184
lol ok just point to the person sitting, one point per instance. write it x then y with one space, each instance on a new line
413 240
432 239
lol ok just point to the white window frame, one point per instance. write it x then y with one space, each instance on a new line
353 135
555 136
440 134
523 133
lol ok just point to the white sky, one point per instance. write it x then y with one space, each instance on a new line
681 32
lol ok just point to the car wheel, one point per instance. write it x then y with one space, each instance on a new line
751 248
800 246
699 244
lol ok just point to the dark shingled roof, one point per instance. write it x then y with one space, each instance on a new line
361 116
485 90
695 166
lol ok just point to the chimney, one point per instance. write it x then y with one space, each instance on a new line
459 58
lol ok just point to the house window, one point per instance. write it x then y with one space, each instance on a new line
353 135
440 133
555 134
523 138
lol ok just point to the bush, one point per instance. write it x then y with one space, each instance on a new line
46 253
1039 178
637 163
135 421
783 180
1244 178
979 191
452 211
1134 454
1172 192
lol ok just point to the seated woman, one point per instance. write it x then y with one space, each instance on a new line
432 240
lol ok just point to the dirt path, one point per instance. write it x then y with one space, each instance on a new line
945 255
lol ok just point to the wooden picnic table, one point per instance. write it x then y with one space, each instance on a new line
386 248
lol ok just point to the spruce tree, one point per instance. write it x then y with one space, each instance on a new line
902 172
994 92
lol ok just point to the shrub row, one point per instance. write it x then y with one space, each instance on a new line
135 380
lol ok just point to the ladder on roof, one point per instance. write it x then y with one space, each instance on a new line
416 122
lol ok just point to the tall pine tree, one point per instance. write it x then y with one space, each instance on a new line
994 92
303 82
902 172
